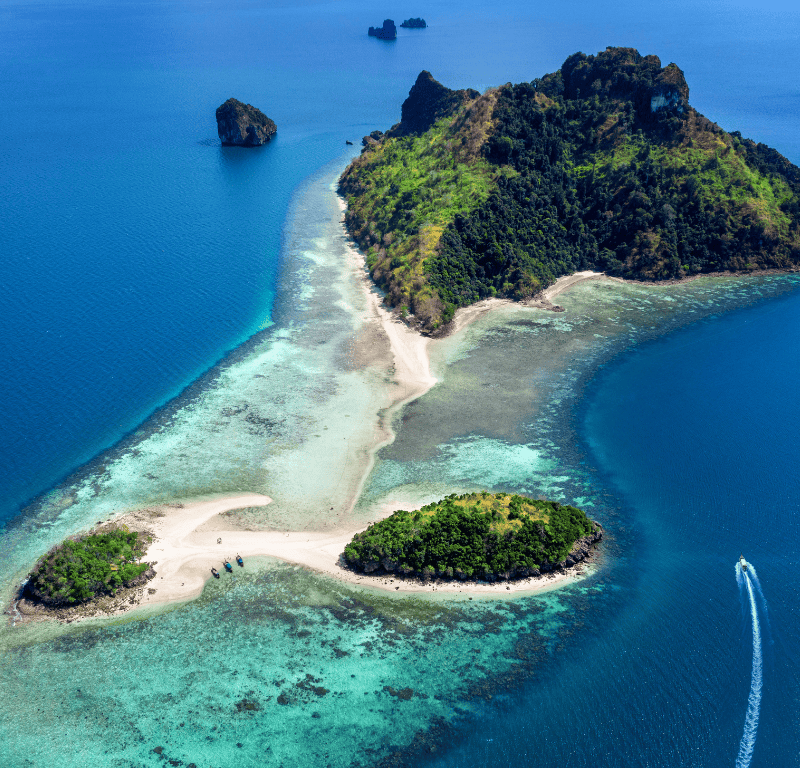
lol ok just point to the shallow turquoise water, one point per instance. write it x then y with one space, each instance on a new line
234 666
274 666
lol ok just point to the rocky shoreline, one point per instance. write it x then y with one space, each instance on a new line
25 610
30 605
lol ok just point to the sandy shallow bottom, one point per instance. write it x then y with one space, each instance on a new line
193 537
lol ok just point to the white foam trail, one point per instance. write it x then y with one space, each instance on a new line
748 742
757 585
742 596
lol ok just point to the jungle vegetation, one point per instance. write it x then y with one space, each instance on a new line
475 535
602 165
80 569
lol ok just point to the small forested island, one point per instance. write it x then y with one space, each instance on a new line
243 125
83 569
601 165
387 32
477 536
414 24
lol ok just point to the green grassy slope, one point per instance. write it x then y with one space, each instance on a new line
404 191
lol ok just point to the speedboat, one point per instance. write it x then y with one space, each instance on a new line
742 562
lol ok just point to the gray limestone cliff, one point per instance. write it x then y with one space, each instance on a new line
242 125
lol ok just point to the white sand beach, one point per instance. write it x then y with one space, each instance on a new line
184 555
193 537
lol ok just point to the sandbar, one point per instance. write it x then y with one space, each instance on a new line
184 555
192 536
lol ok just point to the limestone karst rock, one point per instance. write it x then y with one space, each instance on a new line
428 100
242 125
387 32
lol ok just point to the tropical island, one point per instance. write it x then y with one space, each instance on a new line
415 23
86 568
477 536
603 165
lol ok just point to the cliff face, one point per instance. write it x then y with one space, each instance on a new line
621 74
242 125
428 101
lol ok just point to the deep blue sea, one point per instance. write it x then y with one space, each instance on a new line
137 254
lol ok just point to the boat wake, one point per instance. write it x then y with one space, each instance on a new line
762 600
745 580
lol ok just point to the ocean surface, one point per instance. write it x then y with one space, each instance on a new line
181 319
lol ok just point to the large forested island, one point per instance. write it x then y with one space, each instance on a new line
602 165
482 536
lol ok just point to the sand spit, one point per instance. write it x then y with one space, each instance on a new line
192 537
184 555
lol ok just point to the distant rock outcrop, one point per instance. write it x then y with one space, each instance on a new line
387 32
242 125
428 101
414 24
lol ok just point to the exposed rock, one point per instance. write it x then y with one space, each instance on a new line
414 24
242 125
387 32
625 73
142 578
373 139
428 101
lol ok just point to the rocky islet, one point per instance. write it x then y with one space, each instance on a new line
243 125
388 31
